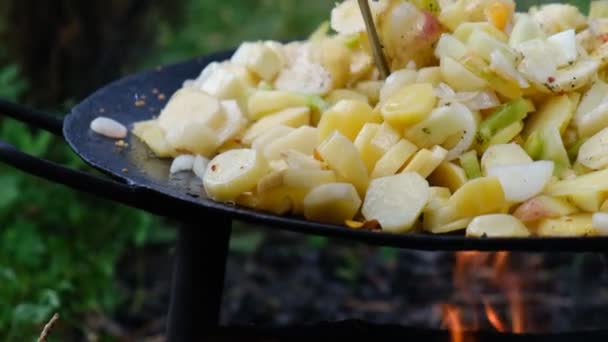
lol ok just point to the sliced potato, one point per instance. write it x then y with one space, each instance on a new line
567 226
396 201
347 117
343 157
194 138
302 139
233 173
543 207
259 59
371 89
395 81
154 137
460 78
394 159
345 94
270 136
292 117
450 227
477 197
497 225
593 181
594 152
427 161
332 203
430 75
264 102
588 201
190 105
298 160
373 147
448 175
409 105
557 111
307 178
504 154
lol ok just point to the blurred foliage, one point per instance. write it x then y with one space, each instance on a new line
59 248
209 26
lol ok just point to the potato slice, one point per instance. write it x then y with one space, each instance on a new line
477 197
371 89
307 178
460 78
593 153
194 138
448 175
497 225
332 203
343 157
450 227
556 111
302 139
264 102
190 105
396 201
394 159
292 117
346 117
377 145
427 161
228 81
298 160
270 136
542 207
593 181
345 94
588 201
233 173
395 81
430 75
409 105
567 226
154 137
259 59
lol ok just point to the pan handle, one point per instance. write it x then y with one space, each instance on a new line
78 180
36 118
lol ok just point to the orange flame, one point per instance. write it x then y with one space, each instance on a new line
454 322
493 318
471 266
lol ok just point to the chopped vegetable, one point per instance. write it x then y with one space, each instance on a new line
470 164
490 122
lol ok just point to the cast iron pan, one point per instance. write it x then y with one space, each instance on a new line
140 180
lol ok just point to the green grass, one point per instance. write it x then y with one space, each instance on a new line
59 248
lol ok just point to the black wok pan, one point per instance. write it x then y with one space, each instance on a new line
142 181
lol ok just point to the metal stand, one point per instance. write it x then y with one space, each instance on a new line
198 280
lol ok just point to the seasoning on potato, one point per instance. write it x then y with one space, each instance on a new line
492 122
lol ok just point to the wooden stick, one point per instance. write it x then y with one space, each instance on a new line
376 45
47 328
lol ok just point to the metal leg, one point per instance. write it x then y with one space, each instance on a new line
198 280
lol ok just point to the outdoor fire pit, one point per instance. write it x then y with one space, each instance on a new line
142 181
